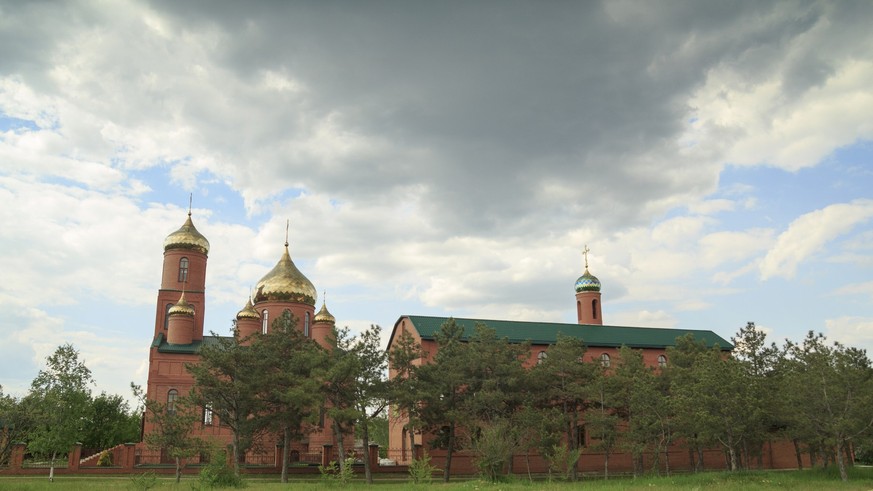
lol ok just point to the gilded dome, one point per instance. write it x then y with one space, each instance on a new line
587 283
324 316
187 237
248 312
182 307
285 283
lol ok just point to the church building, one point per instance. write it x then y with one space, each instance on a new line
179 334
603 343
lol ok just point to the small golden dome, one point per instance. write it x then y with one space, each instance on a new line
285 283
248 312
324 316
182 307
187 237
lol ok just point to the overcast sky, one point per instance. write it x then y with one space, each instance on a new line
444 158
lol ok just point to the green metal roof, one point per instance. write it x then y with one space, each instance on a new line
544 333
164 347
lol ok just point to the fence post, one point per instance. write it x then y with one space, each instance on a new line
326 454
16 460
374 456
129 456
74 457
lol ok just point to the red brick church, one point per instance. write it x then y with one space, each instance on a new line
179 333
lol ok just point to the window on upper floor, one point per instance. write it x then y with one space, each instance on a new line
183 270
172 395
541 357
207 415
306 324
265 315
662 361
167 315
604 360
594 309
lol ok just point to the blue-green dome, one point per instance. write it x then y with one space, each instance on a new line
587 283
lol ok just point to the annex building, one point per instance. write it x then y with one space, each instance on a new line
603 343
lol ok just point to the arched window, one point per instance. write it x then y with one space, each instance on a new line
207 415
604 360
306 325
594 309
662 361
541 357
265 315
172 395
167 316
183 270
579 310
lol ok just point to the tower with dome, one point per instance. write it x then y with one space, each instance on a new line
179 335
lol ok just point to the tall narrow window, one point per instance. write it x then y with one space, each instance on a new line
172 395
306 325
403 445
579 310
604 360
662 361
266 316
183 270
167 315
580 436
207 415
594 309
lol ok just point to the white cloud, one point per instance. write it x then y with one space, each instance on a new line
420 169
851 331
864 288
644 318
810 233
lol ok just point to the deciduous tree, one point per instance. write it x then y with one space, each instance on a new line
15 424
59 396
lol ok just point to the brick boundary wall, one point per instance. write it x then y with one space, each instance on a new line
776 455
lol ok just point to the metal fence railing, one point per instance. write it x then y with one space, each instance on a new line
44 463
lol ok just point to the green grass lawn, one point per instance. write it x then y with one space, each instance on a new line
812 480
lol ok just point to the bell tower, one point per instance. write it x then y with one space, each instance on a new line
588 310
184 271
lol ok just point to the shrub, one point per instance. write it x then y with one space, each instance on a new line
562 460
217 474
494 448
105 459
333 473
421 471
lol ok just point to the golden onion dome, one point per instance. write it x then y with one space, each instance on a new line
285 283
248 312
324 316
187 237
182 307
